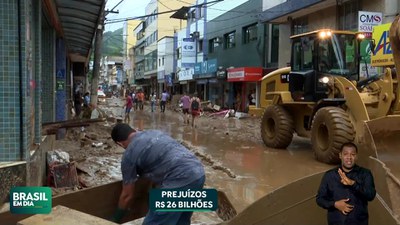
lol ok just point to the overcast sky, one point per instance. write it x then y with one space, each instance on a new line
133 8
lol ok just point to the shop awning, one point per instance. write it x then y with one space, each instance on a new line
77 22
245 74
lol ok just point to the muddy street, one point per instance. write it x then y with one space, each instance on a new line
239 163
236 160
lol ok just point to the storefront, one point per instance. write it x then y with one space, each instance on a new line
185 77
245 86
209 87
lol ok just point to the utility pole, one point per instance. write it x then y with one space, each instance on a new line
97 57
98 53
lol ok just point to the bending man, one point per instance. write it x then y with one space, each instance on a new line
156 156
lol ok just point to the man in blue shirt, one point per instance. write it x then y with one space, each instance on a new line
164 98
156 156
346 190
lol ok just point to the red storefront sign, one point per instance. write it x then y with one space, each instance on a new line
245 74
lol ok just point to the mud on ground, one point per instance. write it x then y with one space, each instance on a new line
98 158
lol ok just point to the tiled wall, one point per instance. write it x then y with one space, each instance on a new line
38 69
20 77
61 81
9 80
48 80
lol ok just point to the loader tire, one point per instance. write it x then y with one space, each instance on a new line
330 129
277 127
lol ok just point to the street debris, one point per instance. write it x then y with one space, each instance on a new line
62 172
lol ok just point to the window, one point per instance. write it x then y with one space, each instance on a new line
179 53
348 15
302 53
274 45
140 35
159 62
213 44
250 33
230 40
163 61
192 16
155 14
300 25
200 46
201 12
151 61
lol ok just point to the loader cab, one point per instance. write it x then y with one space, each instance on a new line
321 54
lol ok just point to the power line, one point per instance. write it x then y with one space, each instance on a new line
158 13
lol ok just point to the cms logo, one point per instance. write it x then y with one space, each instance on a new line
365 18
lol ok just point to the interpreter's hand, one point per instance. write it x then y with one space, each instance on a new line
344 179
343 207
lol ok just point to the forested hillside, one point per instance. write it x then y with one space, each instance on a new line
113 43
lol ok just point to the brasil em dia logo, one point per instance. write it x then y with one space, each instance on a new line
30 200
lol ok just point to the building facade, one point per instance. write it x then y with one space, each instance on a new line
190 50
45 48
129 38
157 26
165 67
296 17
239 43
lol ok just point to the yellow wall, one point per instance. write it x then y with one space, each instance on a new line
131 38
167 25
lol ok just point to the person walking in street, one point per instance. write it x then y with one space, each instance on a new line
140 99
195 108
86 99
164 98
155 155
185 101
153 99
78 100
135 101
345 190
238 102
128 106
133 96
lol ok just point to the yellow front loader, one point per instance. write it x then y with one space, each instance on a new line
332 105
321 95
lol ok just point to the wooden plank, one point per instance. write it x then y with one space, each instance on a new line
61 215
75 121
100 201
52 127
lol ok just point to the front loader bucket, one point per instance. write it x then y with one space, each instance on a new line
384 142
379 150
295 204
381 142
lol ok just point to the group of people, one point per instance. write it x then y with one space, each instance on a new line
190 105
83 107
136 100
